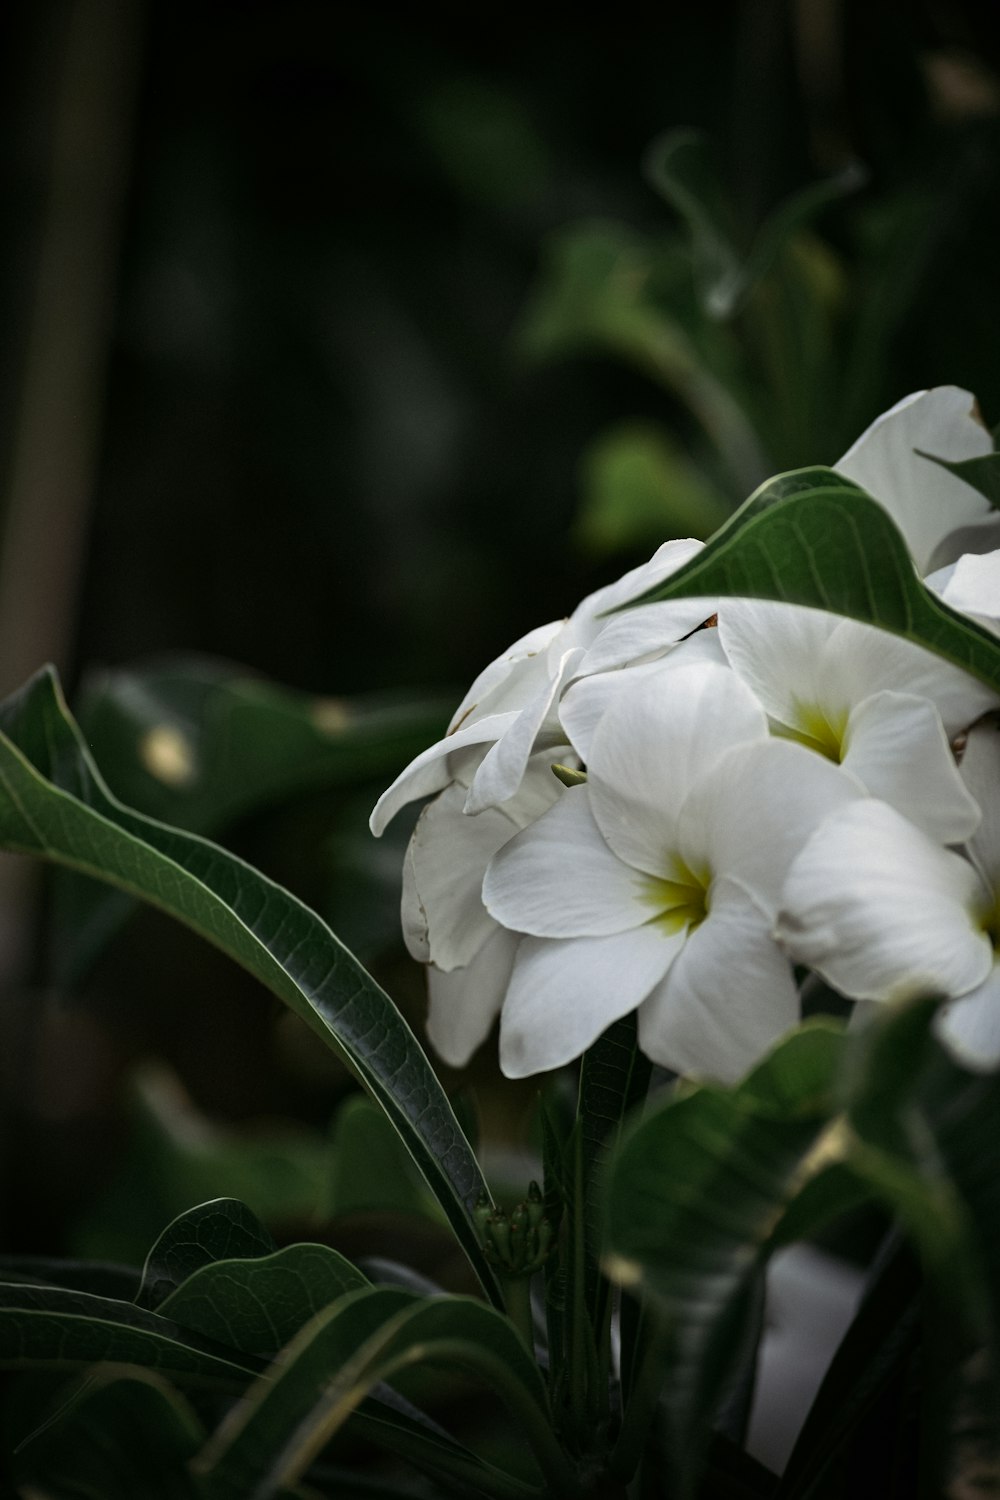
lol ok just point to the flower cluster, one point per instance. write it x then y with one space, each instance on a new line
664 810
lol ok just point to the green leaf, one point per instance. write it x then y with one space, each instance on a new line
614 1079
259 1305
53 803
126 1436
103 1278
52 1328
695 1192
639 486
220 1230
365 1338
811 537
982 473
369 1170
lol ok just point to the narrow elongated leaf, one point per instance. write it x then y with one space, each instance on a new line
260 1305
272 1437
199 743
813 538
614 1078
53 803
52 1328
219 1230
103 1278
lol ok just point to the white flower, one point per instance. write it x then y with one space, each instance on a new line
655 884
939 514
879 705
883 913
512 707
971 585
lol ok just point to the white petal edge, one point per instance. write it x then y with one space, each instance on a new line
430 772
464 1004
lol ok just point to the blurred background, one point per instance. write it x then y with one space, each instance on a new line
343 344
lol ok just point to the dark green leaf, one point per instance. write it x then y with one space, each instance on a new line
365 1338
126 1436
982 474
51 1328
259 1305
813 538
695 1192
103 1278
220 1230
53 803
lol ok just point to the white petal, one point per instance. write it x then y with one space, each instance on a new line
514 677
559 878
973 586
562 995
444 918
897 748
665 561
981 774
777 649
970 1027
504 764
750 815
431 771
882 912
648 752
925 501
465 1003
860 660
727 997
587 699
644 631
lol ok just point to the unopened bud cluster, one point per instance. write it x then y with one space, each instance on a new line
517 1244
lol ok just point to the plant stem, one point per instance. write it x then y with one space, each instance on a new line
517 1294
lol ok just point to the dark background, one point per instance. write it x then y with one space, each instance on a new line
273 389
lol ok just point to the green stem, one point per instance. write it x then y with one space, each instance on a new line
517 1294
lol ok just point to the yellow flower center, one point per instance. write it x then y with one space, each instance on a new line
818 729
679 898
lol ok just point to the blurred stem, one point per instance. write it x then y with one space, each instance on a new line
56 441
517 1295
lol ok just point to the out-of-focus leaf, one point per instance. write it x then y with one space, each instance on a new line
695 1192
198 744
126 1436
601 288
53 803
680 165
640 488
176 1157
810 537
259 1305
272 1437
369 1170
220 1230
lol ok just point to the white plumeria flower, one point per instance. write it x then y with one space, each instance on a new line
880 706
445 923
938 513
971 585
655 884
885 914
512 707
